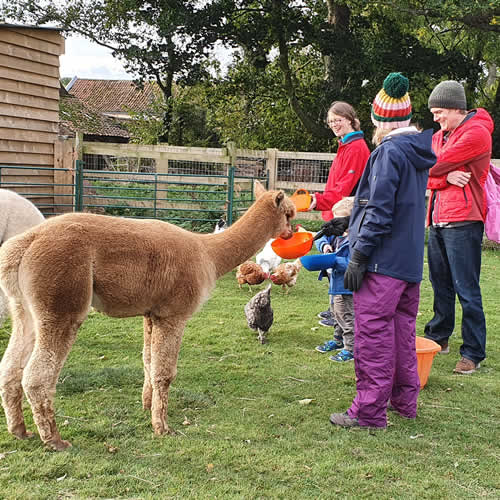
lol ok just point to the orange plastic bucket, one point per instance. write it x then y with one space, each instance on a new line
297 246
426 350
301 199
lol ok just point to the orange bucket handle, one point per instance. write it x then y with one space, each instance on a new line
301 191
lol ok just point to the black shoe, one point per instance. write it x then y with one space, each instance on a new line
327 322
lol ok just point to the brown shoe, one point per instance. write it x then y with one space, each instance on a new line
344 420
445 348
466 366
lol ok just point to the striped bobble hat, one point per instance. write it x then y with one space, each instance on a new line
391 107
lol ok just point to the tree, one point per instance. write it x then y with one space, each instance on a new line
296 57
162 40
351 45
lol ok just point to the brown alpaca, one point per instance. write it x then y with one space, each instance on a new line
55 272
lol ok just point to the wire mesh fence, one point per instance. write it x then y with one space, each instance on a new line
193 201
303 170
119 163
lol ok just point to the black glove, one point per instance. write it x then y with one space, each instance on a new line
355 271
334 227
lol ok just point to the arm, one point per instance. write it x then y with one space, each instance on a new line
341 263
435 183
322 242
384 183
472 144
345 177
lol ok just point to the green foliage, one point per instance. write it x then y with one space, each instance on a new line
199 206
147 127
249 108
293 60
240 429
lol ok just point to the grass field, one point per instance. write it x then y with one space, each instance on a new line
241 431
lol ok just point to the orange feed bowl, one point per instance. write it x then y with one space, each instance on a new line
426 350
301 199
297 246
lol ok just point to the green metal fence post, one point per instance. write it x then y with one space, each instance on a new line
79 186
230 195
156 195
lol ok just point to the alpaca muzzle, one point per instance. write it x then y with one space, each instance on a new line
287 233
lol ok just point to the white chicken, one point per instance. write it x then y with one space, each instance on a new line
220 226
267 258
259 313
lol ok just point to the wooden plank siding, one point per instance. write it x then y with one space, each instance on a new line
29 109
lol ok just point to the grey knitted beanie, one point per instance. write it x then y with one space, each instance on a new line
449 95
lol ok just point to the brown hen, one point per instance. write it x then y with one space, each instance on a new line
251 273
286 274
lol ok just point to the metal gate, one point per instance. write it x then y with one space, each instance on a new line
193 201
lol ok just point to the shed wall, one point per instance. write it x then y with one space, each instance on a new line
29 108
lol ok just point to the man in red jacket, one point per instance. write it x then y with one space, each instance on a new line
456 214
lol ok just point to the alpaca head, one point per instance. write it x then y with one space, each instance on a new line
283 207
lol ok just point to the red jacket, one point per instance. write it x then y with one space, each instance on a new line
468 148
344 174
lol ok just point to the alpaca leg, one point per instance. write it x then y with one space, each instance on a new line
165 345
147 388
55 339
14 360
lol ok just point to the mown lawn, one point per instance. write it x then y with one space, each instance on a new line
241 430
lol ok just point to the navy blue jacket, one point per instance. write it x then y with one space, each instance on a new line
341 243
388 219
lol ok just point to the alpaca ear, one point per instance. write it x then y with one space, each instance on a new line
259 189
280 196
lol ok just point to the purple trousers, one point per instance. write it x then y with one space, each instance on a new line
385 358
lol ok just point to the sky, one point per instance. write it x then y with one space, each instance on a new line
86 59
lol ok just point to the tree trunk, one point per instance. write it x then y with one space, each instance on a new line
312 126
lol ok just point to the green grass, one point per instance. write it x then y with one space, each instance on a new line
241 432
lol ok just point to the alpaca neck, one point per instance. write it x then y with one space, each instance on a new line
241 241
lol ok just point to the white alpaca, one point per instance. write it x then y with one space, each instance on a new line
16 215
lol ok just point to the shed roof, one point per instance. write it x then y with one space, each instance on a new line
76 116
29 26
109 96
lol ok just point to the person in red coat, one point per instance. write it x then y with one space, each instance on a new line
456 214
348 165
345 171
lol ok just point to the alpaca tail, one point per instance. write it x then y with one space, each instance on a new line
11 254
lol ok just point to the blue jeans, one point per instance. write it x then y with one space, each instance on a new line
454 256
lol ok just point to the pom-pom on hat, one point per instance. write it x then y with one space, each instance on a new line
391 107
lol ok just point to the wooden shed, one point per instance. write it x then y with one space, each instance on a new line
29 110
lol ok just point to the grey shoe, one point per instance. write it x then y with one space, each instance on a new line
344 420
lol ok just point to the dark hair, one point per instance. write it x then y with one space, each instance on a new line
346 111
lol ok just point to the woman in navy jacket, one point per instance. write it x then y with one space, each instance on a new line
386 235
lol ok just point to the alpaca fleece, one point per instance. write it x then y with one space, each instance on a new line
56 271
